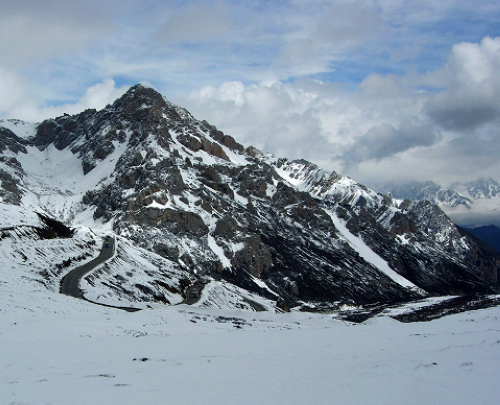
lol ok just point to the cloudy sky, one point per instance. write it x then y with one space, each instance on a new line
379 90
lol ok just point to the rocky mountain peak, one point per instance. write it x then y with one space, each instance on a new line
137 99
184 191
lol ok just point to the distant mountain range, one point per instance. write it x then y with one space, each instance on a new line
471 204
456 194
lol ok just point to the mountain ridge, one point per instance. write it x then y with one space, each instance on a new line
196 203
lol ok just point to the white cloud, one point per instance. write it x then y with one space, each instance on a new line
402 82
472 64
197 23
387 121
29 108
472 97
32 30
276 118
383 86
99 95
12 91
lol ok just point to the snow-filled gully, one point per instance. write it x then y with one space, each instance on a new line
371 257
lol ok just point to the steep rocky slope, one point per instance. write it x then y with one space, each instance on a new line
203 205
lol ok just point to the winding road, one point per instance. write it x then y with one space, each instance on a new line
70 283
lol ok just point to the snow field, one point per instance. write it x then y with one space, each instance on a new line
69 351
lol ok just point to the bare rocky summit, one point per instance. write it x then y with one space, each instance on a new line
286 230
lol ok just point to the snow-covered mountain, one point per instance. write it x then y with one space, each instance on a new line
480 189
471 204
428 190
456 194
186 201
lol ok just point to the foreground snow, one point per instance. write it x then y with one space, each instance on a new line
56 349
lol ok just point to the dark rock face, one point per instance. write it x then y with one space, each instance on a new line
482 254
195 144
54 228
174 191
9 191
255 257
175 221
11 171
9 141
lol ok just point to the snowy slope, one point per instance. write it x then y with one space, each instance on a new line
56 349
135 277
21 128
223 295
28 252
